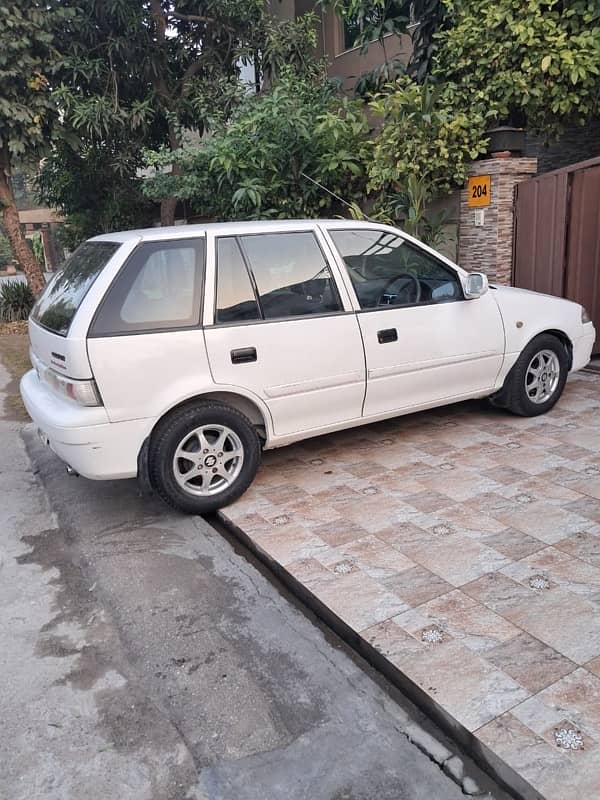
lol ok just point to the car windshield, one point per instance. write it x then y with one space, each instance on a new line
62 297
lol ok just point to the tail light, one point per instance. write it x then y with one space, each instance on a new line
83 392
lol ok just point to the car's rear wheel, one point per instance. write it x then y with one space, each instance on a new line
537 380
203 457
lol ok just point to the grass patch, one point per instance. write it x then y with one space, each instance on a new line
14 354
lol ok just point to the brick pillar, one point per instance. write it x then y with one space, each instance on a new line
488 246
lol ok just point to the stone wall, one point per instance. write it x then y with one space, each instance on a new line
489 247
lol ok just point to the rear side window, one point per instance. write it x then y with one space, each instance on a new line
62 297
236 300
159 288
291 273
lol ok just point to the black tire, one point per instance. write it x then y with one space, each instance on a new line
514 395
173 430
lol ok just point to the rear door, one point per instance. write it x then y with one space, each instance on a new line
424 342
284 329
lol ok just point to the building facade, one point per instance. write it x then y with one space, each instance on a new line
336 42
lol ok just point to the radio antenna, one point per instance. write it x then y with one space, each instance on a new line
333 194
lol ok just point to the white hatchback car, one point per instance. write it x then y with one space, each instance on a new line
177 354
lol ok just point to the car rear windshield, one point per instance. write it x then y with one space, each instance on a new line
62 297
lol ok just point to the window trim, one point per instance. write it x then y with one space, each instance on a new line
327 262
343 266
198 301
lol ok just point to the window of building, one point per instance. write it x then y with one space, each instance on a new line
355 26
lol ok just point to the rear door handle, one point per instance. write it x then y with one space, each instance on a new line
244 355
387 335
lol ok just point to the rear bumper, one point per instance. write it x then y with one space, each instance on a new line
83 437
582 348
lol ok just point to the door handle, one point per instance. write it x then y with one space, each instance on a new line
244 355
387 335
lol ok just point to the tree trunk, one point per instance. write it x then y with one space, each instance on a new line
10 217
168 206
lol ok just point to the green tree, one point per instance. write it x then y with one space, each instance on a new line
533 63
28 112
255 164
96 189
422 150
162 72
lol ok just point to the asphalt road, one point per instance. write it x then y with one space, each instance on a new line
143 657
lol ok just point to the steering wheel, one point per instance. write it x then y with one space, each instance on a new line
405 276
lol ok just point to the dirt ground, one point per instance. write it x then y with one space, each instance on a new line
14 354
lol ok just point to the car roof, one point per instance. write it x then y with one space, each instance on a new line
229 228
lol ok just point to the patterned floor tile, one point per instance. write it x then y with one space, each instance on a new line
555 773
587 507
464 619
456 558
560 569
575 697
290 543
467 686
544 521
513 544
530 662
561 620
428 500
373 556
358 600
593 666
416 585
338 533
464 545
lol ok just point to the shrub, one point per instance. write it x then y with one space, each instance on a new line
16 301
254 166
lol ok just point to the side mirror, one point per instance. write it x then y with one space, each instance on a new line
475 285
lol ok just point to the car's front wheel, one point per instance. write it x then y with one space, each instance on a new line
203 457
537 379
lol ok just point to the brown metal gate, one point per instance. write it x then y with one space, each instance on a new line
557 235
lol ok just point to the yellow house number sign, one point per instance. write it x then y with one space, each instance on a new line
479 191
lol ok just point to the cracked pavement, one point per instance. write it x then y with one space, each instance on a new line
143 655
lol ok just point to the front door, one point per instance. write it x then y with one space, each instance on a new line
284 331
424 343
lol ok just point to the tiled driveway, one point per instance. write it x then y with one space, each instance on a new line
464 545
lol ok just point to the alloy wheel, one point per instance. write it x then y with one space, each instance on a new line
542 376
208 460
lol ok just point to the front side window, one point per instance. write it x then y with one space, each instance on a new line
62 297
386 270
291 275
159 288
